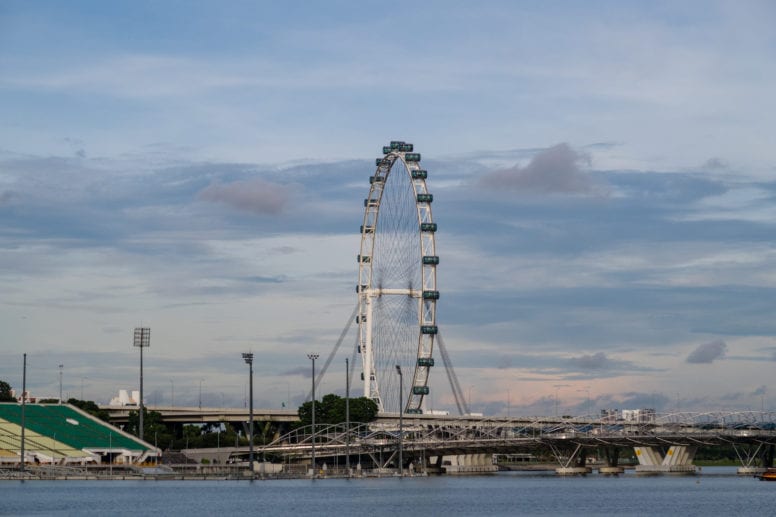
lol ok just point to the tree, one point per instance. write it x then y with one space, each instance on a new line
331 410
5 392
363 410
153 428
90 407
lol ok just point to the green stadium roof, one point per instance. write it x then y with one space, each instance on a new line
70 426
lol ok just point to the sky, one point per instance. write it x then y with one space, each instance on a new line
602 172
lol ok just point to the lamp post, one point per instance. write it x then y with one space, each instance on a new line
470 398
60 382
24 403
249 361
313 357
200 394
401 420
172 394
142 340
347 415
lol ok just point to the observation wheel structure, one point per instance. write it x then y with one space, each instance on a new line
397 290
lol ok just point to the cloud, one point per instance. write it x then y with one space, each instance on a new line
302 370
760 390
715 164
707 352
552 170
597 361
256 196
5 197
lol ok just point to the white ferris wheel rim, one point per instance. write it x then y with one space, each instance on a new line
379 353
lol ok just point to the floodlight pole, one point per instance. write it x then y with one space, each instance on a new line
60 382
401 419
313 357
24 399
142 340
249 361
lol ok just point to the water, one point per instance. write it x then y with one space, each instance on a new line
717 492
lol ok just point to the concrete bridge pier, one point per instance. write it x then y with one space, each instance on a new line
748 456
573 464
677 460
768 456
612 462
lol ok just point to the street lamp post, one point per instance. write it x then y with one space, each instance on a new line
60 382
200 394
347 415
470 398
313 357
249 361
142 340
401 420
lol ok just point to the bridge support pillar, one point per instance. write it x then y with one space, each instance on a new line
677 460
571 464
768 456
612 467
749 455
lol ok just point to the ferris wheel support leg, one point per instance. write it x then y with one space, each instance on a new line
367 351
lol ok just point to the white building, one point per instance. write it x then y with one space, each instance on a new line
124 399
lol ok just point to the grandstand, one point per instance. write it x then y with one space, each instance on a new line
63 434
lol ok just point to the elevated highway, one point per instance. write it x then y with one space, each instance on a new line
193 415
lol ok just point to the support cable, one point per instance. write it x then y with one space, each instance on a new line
455 386
334 350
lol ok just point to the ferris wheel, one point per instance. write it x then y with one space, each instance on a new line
397 291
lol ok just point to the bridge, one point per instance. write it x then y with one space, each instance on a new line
662 443
470 442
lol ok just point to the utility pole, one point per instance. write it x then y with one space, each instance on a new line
347 415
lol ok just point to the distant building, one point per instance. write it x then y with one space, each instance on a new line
124 399
27 397
633 416
610 416
639 416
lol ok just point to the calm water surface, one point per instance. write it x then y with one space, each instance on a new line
717 492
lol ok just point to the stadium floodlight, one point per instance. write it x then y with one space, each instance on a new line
248 358
142 340
313 357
